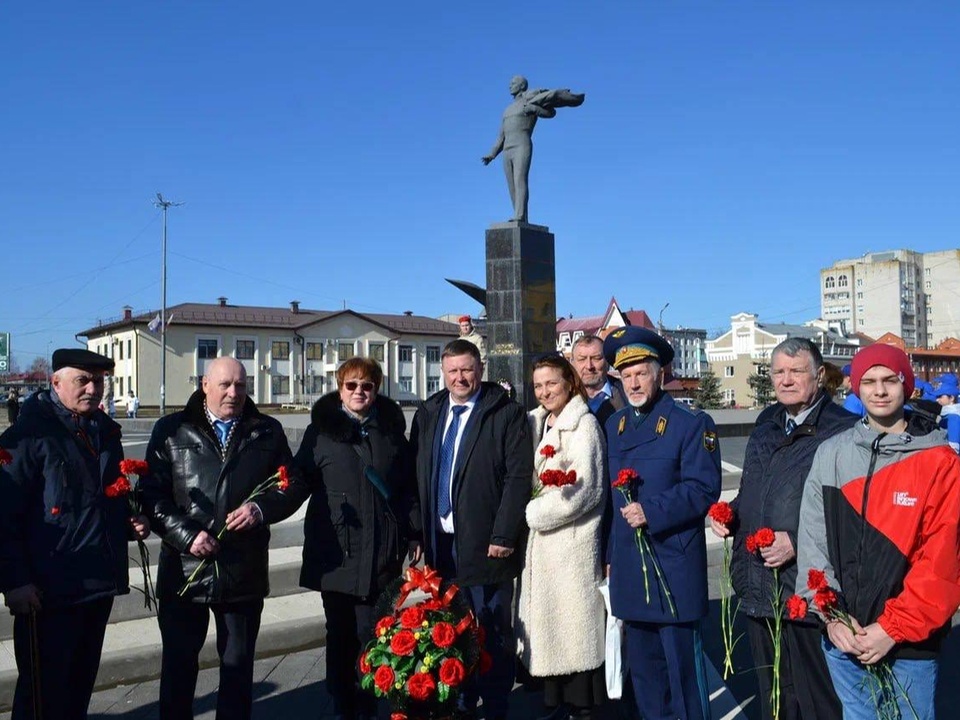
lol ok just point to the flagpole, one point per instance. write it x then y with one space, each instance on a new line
165 204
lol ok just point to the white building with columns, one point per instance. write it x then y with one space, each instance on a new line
291 354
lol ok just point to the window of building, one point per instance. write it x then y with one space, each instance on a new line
928 285
130 349
206 349
859 309
859 296
433 353
246 349
280 384
314 351
376 352
251 386
926 271
314 384
829 282
120 386
859 282
121 349
129 382
345 351
406 353
842 281
433 385
280 349
406 383
728 371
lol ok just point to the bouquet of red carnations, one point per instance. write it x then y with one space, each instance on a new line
422 652
122 487
723 514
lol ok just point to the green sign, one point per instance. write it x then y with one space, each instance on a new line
4 352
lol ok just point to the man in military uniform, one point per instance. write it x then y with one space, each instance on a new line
669 457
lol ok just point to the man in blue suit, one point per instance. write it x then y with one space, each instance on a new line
673 455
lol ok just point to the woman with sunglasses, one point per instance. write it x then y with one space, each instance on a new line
561 620
363 517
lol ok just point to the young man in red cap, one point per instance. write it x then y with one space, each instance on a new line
879 518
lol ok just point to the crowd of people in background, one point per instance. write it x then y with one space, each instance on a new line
606 482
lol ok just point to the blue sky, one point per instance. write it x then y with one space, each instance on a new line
331 152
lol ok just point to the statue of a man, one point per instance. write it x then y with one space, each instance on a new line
516 135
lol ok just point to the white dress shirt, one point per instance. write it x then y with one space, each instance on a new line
446 523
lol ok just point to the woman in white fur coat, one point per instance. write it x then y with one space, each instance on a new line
560 612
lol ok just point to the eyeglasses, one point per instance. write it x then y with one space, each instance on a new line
366 386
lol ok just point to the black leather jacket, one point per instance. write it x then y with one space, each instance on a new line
192 488
57 528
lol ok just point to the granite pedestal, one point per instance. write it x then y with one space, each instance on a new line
521 303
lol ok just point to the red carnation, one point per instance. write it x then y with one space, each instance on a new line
721 512
134 467
283 481
486 662
796 607
566 478
825 600
548 451
444 635
625 477
421 686
365 666
403 643
413 617
452 672
431 604
751 544
817 580
5 457
383 678
398 716
764 538
121 486
54 510
383 625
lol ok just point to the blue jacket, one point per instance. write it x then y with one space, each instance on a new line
676 455
57 528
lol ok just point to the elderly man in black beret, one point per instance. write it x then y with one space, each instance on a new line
63 555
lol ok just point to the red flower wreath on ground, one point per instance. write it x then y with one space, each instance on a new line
365 666
383 625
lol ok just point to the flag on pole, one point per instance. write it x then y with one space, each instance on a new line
154 325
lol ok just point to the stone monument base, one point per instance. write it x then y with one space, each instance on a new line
521 303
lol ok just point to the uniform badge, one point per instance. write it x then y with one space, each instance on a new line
618 333
622 425
661 425
709 440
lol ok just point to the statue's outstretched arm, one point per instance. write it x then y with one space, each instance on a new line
497 148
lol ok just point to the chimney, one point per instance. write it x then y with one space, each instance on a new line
222 300
408 313
127 312
295 306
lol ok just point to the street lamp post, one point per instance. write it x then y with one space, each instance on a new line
660 319
165 204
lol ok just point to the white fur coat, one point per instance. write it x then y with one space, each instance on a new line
560 612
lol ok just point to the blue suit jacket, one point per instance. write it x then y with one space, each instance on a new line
676 455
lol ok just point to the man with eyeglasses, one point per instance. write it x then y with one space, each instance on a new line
63 541
778 456
879 521
205 461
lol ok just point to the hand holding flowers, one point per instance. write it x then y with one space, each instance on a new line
721 515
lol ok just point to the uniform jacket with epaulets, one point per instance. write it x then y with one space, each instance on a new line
676 456
192 487
58 530
775 467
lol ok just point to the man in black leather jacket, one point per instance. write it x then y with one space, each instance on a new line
205 462
778 458
63 540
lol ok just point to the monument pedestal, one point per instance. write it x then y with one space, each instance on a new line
521 303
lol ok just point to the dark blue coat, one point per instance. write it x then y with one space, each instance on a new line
57 528
676 455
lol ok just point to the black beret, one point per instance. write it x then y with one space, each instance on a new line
83 359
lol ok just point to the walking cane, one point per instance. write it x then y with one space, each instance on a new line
35 665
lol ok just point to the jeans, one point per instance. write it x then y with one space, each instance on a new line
914 684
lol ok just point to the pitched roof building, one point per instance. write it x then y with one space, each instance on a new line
290 354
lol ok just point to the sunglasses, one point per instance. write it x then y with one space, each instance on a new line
366 386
